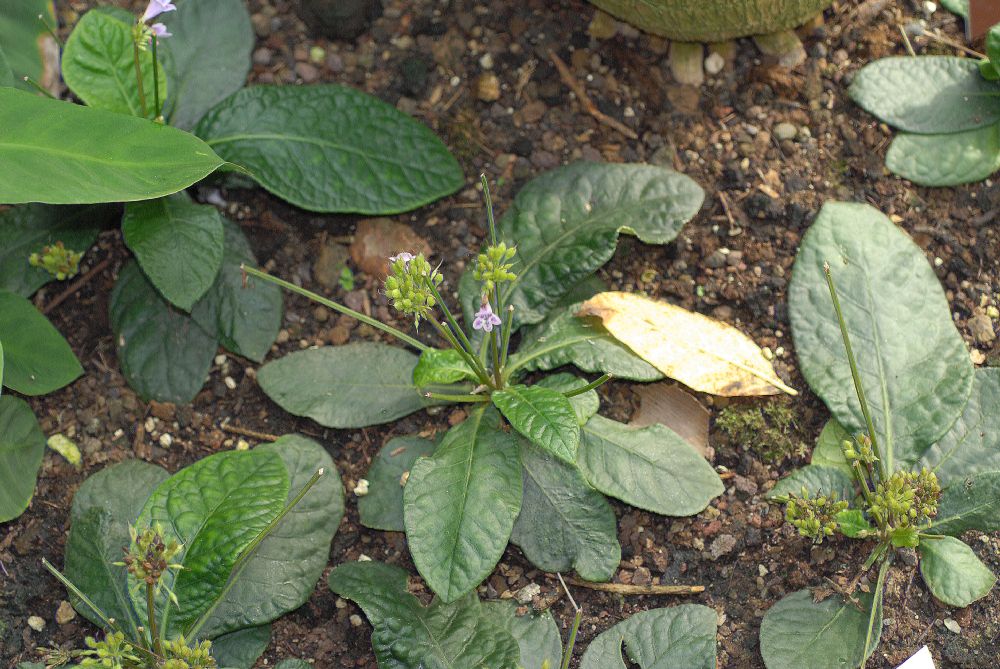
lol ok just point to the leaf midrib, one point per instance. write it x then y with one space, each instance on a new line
84 157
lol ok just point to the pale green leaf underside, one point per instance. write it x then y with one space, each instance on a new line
946 160
679 636
953 572
970 503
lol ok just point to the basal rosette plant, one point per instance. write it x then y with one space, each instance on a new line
533 461
212 555
911 457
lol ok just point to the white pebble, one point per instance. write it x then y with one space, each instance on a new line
355 620
361 489
219 359
230 383
952 626
486 62
714 63
166 440
36 623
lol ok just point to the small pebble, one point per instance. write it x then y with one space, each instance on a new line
952 626
361 489
37 623
230 383
166 440
785 130
528 592
65 612
355 620
714 63
723 544
488 87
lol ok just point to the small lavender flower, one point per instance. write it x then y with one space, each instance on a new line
160 30
155 8
404 256
485 319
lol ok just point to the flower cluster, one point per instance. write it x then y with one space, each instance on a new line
907 499
149 555
181 656
57 260
860 449
815 518
412 284
493 266
145 33
114 652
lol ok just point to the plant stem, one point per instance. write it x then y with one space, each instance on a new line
876 606
151 616
470 359
379 325
590 386
138 75
79 593
489 208
38 87
446 397
459 332
506 329
156 83
859 474
576 625
882 465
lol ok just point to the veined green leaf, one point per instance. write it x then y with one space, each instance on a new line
441 366
827 452
544 416
536 635
6 74
31 51
953 572
382 507
22 447
240 649
679 636
972 503
37 360
585 404
946 160
853 523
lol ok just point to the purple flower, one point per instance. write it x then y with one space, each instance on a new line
485 319
404 256
155 8
160 30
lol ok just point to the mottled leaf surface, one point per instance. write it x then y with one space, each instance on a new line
536 635
953 572
972 445
441 366
585 404
382 507
240 649
543 415
970 503
679 636
22 447
946 160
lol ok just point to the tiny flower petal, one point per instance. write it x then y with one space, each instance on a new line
404 256
160 30
157 7
485 319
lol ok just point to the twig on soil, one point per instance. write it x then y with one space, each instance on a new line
588 104
245 432
622 589
906 40
938 37
76 285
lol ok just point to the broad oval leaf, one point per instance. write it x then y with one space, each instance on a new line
798 632
564 523
953 572
164 354
817 480
960 7
679 636
350 386
332 149
441 366
927 95
61 153
585 404
536 635
565 224
946 160
828 451
240 649
382 507
459 505
704 354
6 74
22 447
31 51
652 467
37 360
98 65
178 245
207 58
972 503
544 416
916 386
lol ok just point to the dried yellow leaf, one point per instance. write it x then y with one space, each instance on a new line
705 354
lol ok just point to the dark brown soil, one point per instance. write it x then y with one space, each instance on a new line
732 261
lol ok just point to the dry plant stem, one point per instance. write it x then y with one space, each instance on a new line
906 41
246 432
622 589
581 94
577 618
76 285
151 616
938 37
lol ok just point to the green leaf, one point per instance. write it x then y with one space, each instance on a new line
61 153
103 508
972 503
585 404
98 65
22 446
651 467
564 523
993 52
293 663
6 75
240 649
459 505
972 444
30 49
350 386
916 386
215 508
441 366
563 339
459 635
566 223
960 7
382 507
542 415
282 572
953 572
853 523
332 149
164 354
927 95
817 480
245 319
679 636
946 160
536 635
1 368
798 632
178 245
27 229
827 452
904 537
208 57
37 360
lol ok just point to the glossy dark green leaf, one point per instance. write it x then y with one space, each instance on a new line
331 148
536 635
916 386
37 360
798 632
970 503
22 446
544 416
564 523
350 386
946 160
164 354
651 467
563 339
927 95
207 58
953 572
215 508
246 319
441 366
817 480
853 523
30 50
61 153
460 504
240 650
283 570
178 245
679 636
27 229
585 404
566 223
103 508
98 65
828 451
382 507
